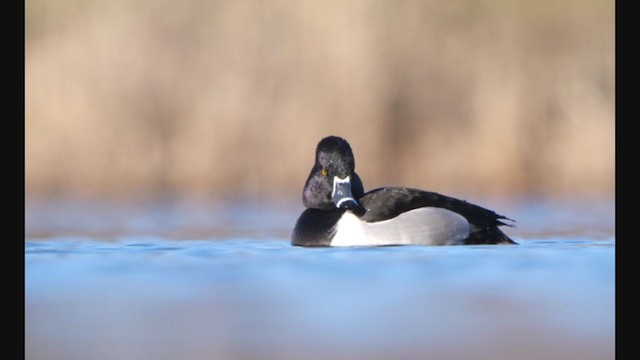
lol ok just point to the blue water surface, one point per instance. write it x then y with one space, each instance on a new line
246 293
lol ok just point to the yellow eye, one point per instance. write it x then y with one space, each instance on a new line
324 172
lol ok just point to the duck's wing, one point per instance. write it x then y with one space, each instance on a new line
389 202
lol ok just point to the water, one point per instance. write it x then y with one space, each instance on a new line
195 280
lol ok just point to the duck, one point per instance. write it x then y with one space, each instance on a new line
339 213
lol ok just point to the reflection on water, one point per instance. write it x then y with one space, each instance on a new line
120 292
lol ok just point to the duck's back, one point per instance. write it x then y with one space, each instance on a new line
390 202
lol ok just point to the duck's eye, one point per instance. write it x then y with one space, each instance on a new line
324 172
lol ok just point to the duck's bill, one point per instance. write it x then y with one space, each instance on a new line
341 195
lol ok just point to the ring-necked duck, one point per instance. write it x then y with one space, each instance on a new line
340 213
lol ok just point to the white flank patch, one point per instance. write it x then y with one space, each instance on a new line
423 226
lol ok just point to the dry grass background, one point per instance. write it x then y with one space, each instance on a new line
227 98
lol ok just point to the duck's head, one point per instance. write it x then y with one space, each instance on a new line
333 182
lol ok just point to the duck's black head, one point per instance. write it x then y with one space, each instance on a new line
333 182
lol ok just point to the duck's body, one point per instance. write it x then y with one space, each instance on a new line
339 213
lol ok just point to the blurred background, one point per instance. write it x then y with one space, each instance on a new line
229 98
147 120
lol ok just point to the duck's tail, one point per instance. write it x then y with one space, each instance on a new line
489 235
